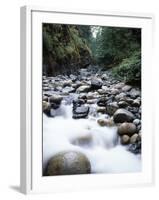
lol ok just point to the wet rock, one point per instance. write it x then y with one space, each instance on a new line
102 101
136 122
78 102
104 77
102 91
105 122
125 139
46 108
123 115
127 128
83 88
101 109
111 108
67 163
134 93
68 90
96 83
92 95
122 104
126 88
119 85
45 98
80 112
135 148
91 101
67 83
136 103
134 138
118 97
85 140
56 99
73 77
114 91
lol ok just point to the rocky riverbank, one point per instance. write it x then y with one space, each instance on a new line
96 95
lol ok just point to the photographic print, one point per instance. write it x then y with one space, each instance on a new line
91 99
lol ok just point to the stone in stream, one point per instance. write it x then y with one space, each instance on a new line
73 77
68 163
80 112
127 128
67 83
136 122
105 122
136 103
101 109
134 138
122 104
46 108
120 96
55 101
123 115
83 88
126 88
111 108
85 140
135 148
134 93
125 139
102 101
96 83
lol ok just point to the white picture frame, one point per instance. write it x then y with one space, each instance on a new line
31 117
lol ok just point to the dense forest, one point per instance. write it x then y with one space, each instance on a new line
70 47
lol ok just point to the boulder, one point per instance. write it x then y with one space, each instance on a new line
85 140
80 112
101 109
134 138
123 115
125 139
83 88
135 148
46 107
134 93
126 88
102 101
68 163
55 98
122 104
136 122
111 108
96 83
127 128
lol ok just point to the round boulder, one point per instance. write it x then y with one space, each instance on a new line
125 139
96 83
56 99
67 163
123 115
127 128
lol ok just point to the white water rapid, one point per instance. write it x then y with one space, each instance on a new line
104 150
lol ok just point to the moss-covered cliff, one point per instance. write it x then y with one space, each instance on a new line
65 48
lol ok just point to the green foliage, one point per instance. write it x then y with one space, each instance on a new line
64 45
129 69
114 44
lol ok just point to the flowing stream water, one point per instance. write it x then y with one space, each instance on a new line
100 144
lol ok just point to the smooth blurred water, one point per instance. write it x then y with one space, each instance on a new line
104 151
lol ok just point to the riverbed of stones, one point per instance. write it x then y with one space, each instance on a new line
93 92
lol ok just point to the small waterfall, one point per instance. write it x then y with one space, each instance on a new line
100 144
